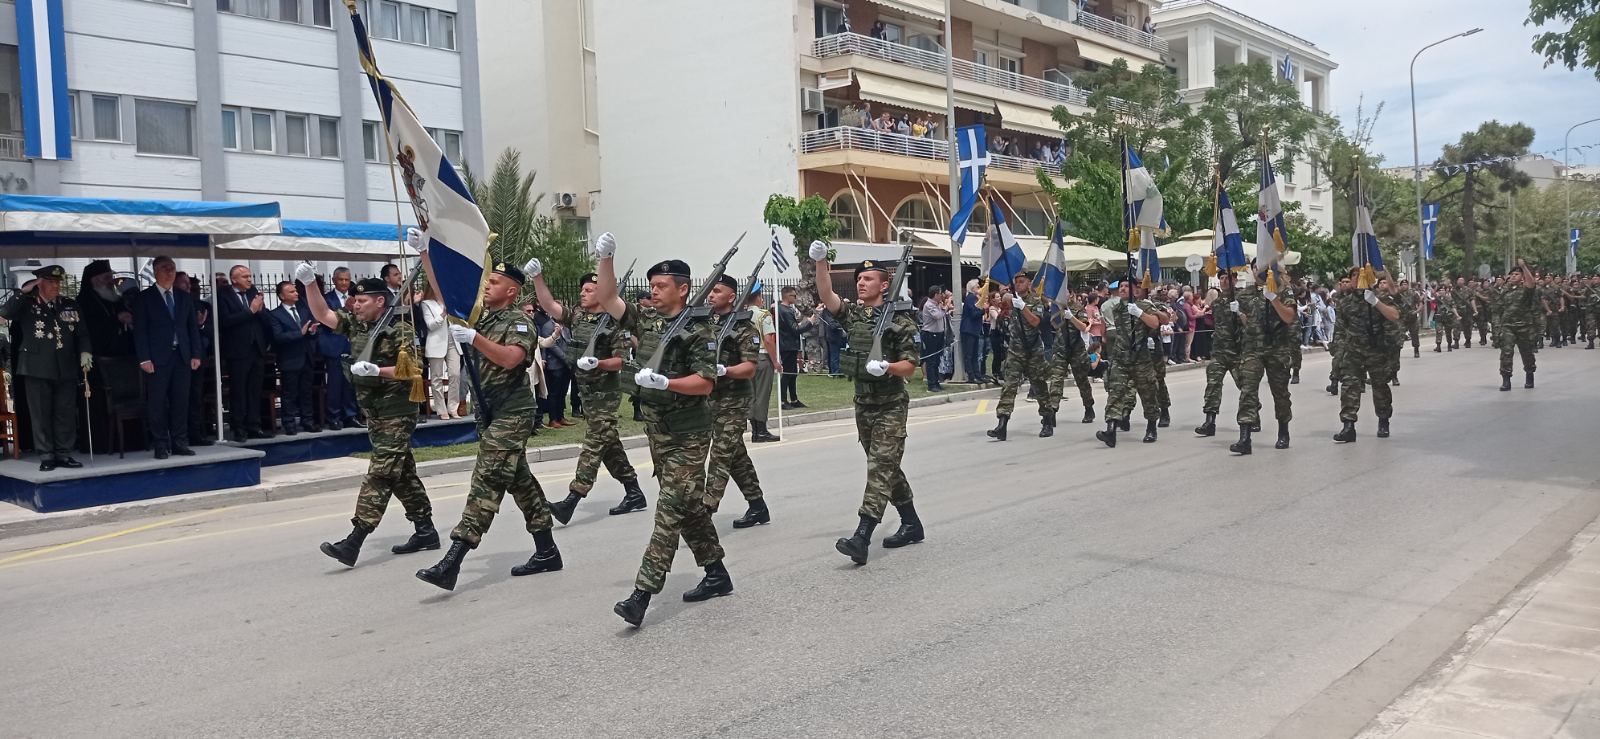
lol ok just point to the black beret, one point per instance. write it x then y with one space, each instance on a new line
871 266
587 278
501 268
729 282
51 272
671 267
370 286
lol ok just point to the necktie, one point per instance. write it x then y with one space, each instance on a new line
171 313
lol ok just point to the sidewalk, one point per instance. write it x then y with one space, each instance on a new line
1533 673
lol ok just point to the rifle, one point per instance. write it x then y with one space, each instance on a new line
604 323
388 315
891 307
694 308
744 298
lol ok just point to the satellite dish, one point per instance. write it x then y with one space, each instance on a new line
1194 262
1483 272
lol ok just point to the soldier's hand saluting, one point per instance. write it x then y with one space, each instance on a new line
605 246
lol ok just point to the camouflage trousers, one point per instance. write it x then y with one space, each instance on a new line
1513 340
1124 380
729 458
1446 332
1299 357
1413 330
1221 366
391 471
1552 326
881 429
1248 379
1360 366
1334 349
601 443
1077 367
1483 327
1021 366
680 461
1163 398
1591 320
500 470
1279 363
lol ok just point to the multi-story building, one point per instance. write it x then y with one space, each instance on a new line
1203 35
242 100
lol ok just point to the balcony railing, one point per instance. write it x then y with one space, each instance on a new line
11 148
841 44
1120 32
865 139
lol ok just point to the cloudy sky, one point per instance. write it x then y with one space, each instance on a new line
1493 75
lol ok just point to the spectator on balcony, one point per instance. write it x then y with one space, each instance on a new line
883 123
1149 26
1040 152
852 117
879 32
920 128
903 126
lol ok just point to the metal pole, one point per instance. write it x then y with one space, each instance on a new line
216 330
1566 175
1416 157
954 330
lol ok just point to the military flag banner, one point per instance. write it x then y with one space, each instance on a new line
1053 272
1272 237
1364 252
1002 255
1226 242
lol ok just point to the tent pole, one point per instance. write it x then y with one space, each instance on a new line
216 331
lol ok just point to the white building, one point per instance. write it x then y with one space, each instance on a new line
1203 35
244 100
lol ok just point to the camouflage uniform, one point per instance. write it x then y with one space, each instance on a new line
391 417
679 428
730 407
1131 371
1518 326
1485 297
1253 312
601 393
1225 354
1025 358
1366 341
1447 317
1591 312
1411 316
1552 317
881 403
1070 357
1280 354
505 422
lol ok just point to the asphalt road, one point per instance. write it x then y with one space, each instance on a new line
1065 589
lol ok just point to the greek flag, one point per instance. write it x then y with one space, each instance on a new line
1053 272
1225 240
42 54
1572 251
1364 251
458 237
1430 228
1002 255
1272 240
844 15
1286 69
780 261
972 146
1144 213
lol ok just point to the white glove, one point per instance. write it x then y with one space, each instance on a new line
818 250
1234 306
462 334
587 364
605 246
415 240
1271 296
364 369
877 368
722 370
1372 298
533 268
305 273
1018 303
1135 311
650 380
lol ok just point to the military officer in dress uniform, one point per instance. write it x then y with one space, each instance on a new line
53 354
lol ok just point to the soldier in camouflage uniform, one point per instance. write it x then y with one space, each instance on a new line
1411 316
505 339
1591 310
1225 352
1485 297
881 400
1025 358
737 360
1135 338
1466 310
600 388
1550 293
1447 317
1572 318
677 422
1280 353
1334 349
1366 340
385 400
1071 357
1517 326
53 353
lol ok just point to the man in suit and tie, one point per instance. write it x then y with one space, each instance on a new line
244 346
341 400
294 335
166 341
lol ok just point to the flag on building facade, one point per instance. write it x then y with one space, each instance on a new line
1286 69
1430 228
1002 255
972 148
42 80
1226 242
1053 272
780 261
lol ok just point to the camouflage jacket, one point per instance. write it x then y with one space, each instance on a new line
378 397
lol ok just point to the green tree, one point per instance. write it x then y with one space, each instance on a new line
1464 181
1142 106
1579 44
521 232
807 220
1249 105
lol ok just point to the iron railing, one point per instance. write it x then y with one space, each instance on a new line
12 148
841 44
1120 31
865 139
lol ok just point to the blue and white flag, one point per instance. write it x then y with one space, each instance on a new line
1286 69
42 54
1430 228
1364 251
1226 242
972 147
1053 272
1002 255
780 261
1572 251
1272 237
1145 214
458 236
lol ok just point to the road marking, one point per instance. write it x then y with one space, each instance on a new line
983 407
103 537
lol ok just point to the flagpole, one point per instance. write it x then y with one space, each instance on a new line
777 339
956 369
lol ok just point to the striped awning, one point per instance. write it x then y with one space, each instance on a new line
902 94
1025 119
930 9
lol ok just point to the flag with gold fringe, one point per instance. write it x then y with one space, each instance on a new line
1364 252
1271 238
1144 213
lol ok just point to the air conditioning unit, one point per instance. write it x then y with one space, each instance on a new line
811 100
567 200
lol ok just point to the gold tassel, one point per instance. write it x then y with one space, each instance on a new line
405 368
1210 267
1367 278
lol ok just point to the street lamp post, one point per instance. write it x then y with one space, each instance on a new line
1566 174
956 368
1416 154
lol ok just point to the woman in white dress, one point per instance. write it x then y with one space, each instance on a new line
444 359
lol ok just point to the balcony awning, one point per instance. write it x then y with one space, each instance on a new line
931 9
1023 119
903 94
1102 54
975 103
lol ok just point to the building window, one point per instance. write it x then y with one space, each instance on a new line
893 32
829 20
981 56
449 142
447 31
289 10
253 8
579 226
1011 65
388 21
915 213
162 127
296 135
328 138
107 115
1037 221
371 140
261 131
416 25
844 210
230 129
322 13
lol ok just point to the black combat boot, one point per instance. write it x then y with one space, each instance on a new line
1333 387
998 433
1294 379
1109 436
444 573
1047 425
425 538
754 516
632 609
1256 427
346 549
910 531
1283 436
1346 434
855 547
563 509
632 499
1416 353
1242 446
1165 419
1088 414
1528 383
1469 341
1383 428
1591 343
1209 428
1505 382
1396 381
1150 432
546 557
715 584
1436 349
1125 423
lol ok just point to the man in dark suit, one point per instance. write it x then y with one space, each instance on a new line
341 400
294 336
244 346
200 431
166 341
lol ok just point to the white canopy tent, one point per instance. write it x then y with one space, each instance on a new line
1175 253
1081 255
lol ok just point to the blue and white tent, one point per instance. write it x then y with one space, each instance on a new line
45 226
324 240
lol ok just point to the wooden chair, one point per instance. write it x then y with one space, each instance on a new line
10 425
123 386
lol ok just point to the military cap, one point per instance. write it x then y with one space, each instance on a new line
671 268
501 268
370 286
871 266
587 278
729 282
50 272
